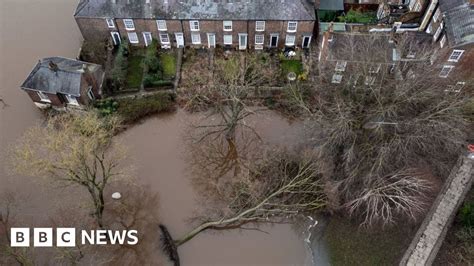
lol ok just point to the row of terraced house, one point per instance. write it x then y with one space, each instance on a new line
446 26
242 24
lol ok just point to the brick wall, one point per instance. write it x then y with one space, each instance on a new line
97 30
55 100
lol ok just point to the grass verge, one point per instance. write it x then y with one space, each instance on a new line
350 245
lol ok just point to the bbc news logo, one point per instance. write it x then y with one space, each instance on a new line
66 237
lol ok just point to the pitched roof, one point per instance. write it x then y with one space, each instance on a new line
459 21
199 9
58 75
331 5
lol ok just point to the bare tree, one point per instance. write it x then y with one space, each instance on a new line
8 254
73 149
378 116
279 186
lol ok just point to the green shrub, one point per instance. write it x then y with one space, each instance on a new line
135 71
467 215
132 110
154 80
119 70
356 16
106 106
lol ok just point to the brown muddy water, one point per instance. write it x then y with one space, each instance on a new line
32 29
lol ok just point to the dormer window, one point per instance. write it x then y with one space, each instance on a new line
110 23
292 26
227 25
129 25
260 26
161 25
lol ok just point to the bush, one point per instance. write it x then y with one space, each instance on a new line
467 215
106 106
356 16
135 71
132 110
119 70
155 80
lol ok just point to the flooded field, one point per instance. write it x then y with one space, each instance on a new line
32 29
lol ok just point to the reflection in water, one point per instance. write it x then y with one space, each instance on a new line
32 29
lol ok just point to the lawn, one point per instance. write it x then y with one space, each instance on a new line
350 245
135 71
356 16
168 62
291 65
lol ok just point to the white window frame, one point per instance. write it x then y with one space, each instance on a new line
436 15
259 25
289 28
226 39
336 78
259 36
455 55
442 42
429 29
417 7
43 97
227 25
179 36
341 66
271 37
145 34
90 93
194 25
164 38
196 38
161 25
114 33
444 73
309 42
438 31
288 38
209 43
72 100
110 23
134 39
129 25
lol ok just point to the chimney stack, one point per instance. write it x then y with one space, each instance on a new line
53 66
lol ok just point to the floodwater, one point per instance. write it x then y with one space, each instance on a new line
32 29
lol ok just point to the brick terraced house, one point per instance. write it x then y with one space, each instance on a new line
242 24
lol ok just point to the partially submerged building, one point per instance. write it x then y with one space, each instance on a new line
62 82
241 24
